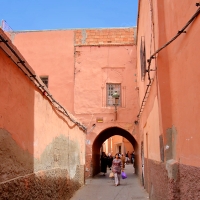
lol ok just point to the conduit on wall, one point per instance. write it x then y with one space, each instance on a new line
153 56
24 67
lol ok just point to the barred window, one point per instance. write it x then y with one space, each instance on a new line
143 58
45 80
110 89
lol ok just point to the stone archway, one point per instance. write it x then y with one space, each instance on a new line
104 135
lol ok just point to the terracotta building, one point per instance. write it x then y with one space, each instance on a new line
42 146
168 75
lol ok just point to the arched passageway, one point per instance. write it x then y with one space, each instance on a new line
104 135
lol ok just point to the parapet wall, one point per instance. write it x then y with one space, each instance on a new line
115 36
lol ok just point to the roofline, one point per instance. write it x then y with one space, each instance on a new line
67 29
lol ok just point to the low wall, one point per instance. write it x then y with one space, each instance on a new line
171 181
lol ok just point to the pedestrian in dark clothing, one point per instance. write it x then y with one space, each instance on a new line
127 157
104 163
133 157
110 159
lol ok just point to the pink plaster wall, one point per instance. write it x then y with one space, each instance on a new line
16 104
95 66
147 126
50 53
184 78
34 135
72 69
171 110
177 69
24 110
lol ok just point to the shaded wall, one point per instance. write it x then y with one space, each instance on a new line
42 152
16 121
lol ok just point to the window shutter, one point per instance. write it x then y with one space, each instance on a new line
143 58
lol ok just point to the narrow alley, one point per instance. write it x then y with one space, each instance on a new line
102 187
71 99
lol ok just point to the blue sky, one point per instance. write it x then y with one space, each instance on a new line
66 14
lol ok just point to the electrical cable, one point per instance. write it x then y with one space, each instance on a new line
37 83
153 56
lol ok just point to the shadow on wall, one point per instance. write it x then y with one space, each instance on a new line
16 123
32 167
104 135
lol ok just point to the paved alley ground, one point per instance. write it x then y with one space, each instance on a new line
102 187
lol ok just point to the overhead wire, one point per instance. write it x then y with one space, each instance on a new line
153 56
37 82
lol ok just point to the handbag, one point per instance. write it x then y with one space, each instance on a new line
124 175
111 175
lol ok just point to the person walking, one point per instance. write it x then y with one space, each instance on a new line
104 160
123 161
133 157
110 159
116 169
127 157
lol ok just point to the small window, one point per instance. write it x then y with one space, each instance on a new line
110 89
143 58
45 80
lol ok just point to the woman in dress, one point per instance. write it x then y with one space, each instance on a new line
104 163
116 169
110 159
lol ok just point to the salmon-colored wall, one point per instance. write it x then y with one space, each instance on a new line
34 136
97 66
50 53
53 124
151 130
169 121
103 63
17 104
117 141
177 69
29 117
109 146
149 120
184 78
94 67
128 146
